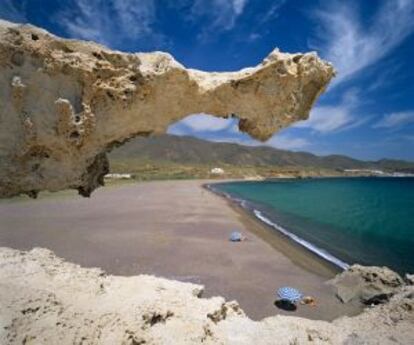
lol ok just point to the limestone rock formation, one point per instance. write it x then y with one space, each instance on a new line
45 300
409 278
64 103
368 285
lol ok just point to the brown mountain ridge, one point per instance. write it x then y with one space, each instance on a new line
193 156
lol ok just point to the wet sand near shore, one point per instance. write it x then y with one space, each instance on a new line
177 230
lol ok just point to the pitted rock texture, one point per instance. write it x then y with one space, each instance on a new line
45 300
64 103
367 284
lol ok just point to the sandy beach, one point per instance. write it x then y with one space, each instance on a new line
177 230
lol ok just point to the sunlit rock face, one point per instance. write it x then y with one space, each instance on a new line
64 103
46 300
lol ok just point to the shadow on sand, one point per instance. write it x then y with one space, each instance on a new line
285 305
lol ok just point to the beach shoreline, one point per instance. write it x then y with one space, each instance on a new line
296 252
176 230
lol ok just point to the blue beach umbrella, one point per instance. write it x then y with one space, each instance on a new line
235 236
289 294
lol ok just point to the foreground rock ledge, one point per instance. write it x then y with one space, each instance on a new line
64 103
45 300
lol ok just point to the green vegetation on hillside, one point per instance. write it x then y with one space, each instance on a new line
173 157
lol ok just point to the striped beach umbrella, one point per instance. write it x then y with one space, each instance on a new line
290 294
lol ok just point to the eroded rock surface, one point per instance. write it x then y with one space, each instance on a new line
45 300
64 103
368 285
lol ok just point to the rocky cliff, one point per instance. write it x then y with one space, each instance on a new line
64 103
45 300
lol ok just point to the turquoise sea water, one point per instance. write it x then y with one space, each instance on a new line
346 220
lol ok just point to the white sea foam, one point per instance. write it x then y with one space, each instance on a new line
318 251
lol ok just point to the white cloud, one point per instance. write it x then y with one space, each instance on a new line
392 74
226 130
333 118
222 14
238 5
202 123
285 142
253 36
262 19
240 139
395 120
13 12
109 22
350 46
326 119
272 12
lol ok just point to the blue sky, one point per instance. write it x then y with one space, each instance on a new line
367 112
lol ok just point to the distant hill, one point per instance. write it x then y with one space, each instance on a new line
187 150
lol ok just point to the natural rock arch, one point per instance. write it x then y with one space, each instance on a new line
64 103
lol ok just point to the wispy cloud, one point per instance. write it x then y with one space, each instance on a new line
288 142
11 11
226 130
326 119
333 118
202 123
235 139
353 46
263 19
111 22
272 12
388 76
221 14
395 120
